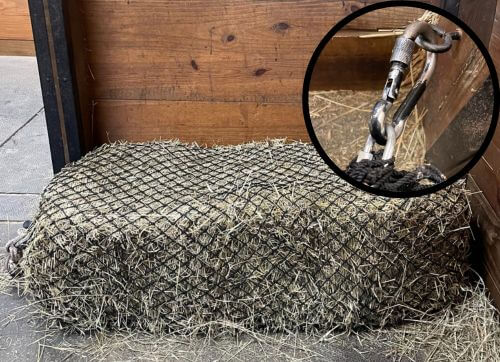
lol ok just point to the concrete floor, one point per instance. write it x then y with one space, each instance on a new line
25 169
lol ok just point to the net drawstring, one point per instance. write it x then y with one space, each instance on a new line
381 174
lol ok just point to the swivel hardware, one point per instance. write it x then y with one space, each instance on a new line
425 36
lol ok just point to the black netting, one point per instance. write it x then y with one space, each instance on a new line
169 236
381 174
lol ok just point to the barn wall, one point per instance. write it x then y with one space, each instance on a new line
16 37
486 176
459 115
174 69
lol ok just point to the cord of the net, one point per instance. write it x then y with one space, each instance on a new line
381 174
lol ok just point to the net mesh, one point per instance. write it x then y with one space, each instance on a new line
171 236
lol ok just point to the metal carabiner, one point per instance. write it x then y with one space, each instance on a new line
424 35
366 153
448 38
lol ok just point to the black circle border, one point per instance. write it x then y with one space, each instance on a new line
331 34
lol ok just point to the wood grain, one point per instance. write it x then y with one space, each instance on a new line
486 210
16 37
17 47
479 18
459 74
251 55
81 70
387 18
486 178
14 7
486 226
246 51
494 45
494 48
15 27
468 129
202 122
350 61
487 172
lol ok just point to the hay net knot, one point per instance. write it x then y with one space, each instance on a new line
381 174
171 236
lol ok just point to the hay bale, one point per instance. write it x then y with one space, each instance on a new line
167 236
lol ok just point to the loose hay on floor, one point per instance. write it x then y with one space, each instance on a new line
466 331
169 237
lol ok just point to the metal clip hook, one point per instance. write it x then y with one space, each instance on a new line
424 35
425 44
366 153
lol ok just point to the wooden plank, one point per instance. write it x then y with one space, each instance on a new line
496 136
459 74
479 18
486 225
14 7
494 46
17 47
363 61
82 76
244 51
388 18
487 172
486 210
470 126
15 27
202 122
16 37
487 176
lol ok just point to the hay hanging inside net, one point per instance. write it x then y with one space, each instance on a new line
167 236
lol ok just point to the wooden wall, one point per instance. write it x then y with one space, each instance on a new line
16 37
487 171
486 175
457 83
210 72
460 107
363 59
459 73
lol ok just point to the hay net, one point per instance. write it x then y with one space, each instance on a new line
167 236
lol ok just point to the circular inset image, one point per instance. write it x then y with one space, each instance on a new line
404 111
